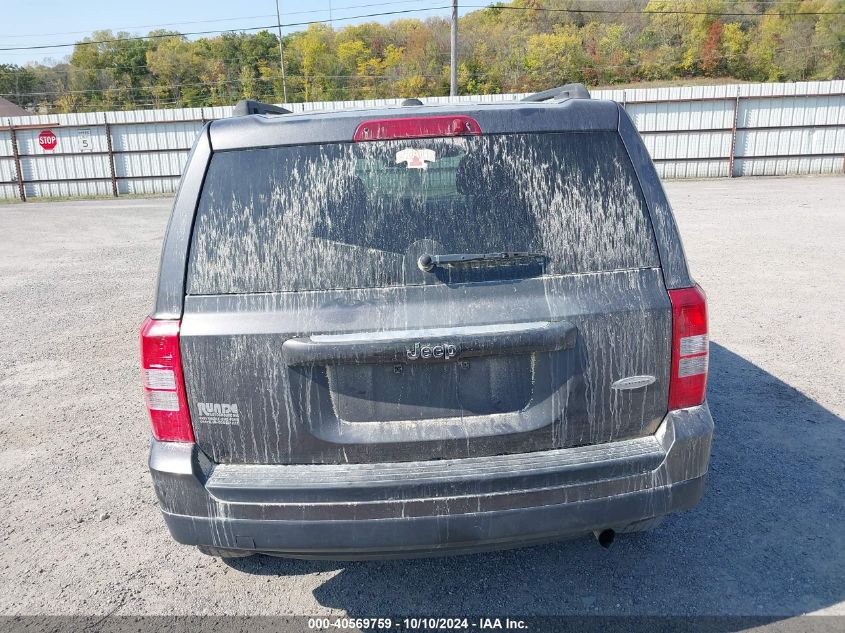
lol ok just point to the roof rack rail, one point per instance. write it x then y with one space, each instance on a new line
248 106
569 91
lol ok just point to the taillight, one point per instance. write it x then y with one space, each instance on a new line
417 127
688 382
164 387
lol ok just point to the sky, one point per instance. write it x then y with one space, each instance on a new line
40 22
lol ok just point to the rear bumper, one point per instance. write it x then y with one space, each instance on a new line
424 508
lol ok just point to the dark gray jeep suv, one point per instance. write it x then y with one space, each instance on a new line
423 329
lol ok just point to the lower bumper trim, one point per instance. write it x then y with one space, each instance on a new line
523 500
432 536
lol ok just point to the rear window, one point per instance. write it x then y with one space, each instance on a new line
359 215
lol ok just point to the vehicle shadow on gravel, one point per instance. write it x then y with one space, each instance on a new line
766 539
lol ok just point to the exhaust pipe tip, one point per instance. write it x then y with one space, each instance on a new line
605 537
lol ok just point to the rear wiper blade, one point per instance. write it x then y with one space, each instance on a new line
427 262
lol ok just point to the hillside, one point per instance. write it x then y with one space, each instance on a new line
510 47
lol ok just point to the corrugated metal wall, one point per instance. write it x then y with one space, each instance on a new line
691 132
741 130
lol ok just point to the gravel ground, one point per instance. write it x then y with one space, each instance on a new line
81 533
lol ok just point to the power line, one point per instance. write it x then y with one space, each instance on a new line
139 26
433 8
650 12
335 8
215 20
69 70
226 82
219 31
205 84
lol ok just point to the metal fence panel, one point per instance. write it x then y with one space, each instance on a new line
681 115
690 132
692 169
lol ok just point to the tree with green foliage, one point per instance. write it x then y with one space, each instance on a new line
507 47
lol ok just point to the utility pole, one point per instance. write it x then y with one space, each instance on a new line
453 67
281 53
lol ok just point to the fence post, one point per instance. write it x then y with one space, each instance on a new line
111 155
17 156
733 136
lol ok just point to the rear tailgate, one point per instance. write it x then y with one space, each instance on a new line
311 335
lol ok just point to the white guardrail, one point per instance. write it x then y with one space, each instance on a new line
691 132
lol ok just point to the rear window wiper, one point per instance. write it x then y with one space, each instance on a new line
427 262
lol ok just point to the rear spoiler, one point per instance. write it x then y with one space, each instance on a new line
248 106
568 91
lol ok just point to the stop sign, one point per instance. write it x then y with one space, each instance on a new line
47 140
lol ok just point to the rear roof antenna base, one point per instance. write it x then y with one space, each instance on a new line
246 107
568 91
